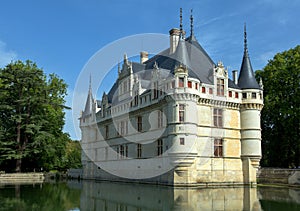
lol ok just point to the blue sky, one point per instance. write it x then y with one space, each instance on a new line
62 35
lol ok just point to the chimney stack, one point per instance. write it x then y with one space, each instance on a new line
235 76
143 56
174 38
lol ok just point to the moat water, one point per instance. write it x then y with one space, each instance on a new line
89 195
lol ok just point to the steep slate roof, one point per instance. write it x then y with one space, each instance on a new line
89 103
190 53
246 78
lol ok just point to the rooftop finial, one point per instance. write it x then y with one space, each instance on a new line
245 38
192 23
90 82
180 26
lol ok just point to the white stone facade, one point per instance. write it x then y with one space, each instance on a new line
170 125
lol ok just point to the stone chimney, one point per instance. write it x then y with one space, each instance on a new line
143 56
235 76
174 38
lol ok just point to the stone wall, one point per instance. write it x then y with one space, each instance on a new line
278 176
21 178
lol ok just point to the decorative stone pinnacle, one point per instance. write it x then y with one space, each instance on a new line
245 39
192 22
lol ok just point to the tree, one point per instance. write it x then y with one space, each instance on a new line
32 116
281 113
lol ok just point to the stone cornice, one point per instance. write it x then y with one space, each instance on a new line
218 103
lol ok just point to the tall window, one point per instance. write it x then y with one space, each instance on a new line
123 128
125 86
126 150
189 84
218 117
106 153
155 89
121 151
118 152
159 147
218 148
106 132
180 82
139 123
159 119
181 140
196 85
136 98
181 112
139 150
220 87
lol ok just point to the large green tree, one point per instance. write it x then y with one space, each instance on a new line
31 118
281 113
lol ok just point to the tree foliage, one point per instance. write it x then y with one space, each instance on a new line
281 113
31 118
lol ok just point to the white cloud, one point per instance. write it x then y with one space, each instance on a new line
6 56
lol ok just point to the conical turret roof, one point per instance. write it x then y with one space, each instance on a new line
246 78
89 102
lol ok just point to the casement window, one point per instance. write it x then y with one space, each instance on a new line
181 113
253 95
196 86
218 148
123 151
122 128
159 119
106 131
136 98
220 87
236 95
140 123
139 150
230 93
180 82
189 84
159 147
218 117
155 90
203 90
210 91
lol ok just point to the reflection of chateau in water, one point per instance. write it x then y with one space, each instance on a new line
177 113
136 197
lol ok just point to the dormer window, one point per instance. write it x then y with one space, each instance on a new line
155 90
220 87
189 84
180 82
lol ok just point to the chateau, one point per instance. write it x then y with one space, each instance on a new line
175 119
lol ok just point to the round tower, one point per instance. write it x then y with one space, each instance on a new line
251 106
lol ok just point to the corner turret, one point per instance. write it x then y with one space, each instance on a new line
251 106
246 78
